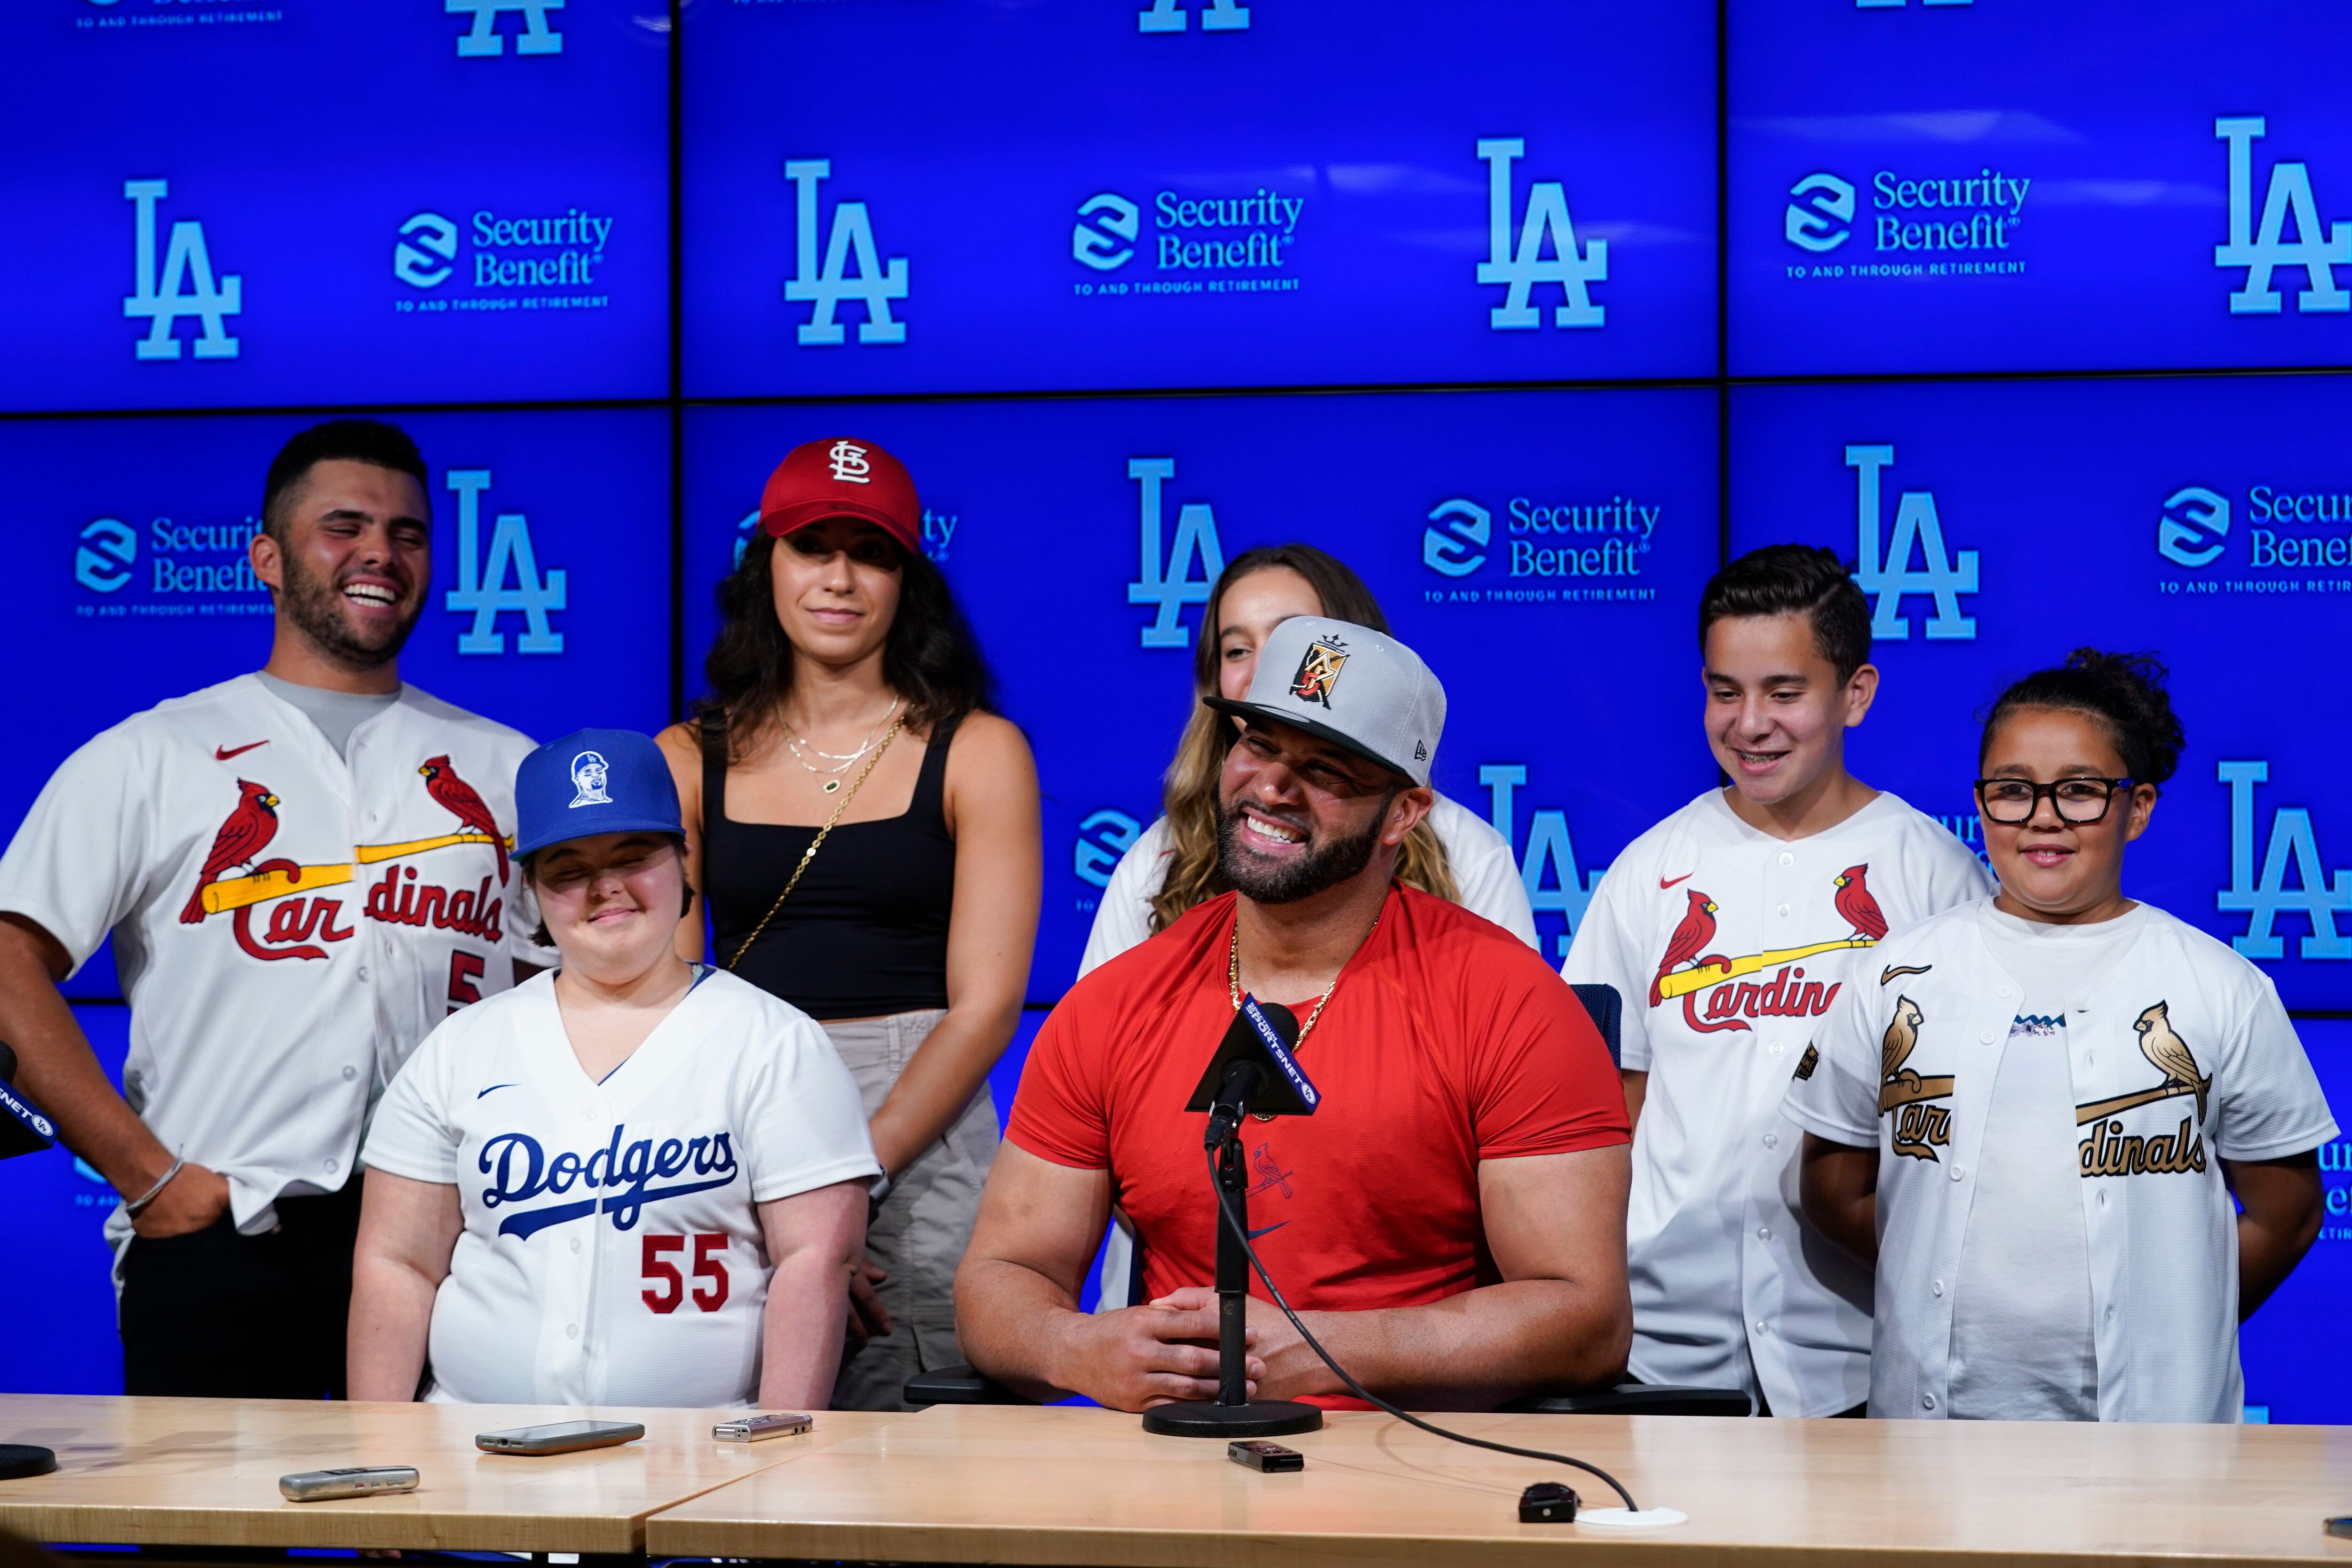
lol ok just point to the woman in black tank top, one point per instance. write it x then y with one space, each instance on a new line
846 690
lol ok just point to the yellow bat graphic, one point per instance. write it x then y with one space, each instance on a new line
369 854
1698 978
236 892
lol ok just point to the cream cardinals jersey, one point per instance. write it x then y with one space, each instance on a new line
612 1252
2179 1058
1730 949
287 925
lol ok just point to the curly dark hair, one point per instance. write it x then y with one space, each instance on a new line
2123 691
930 655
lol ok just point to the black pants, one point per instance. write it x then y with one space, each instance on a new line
219 1315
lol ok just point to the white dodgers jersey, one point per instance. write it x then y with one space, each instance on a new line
1731 948
612 1252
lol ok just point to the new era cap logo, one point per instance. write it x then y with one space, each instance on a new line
1319 671
1421 751
849 464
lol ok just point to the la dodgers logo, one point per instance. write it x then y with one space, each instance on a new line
589 772
2263 897
482 41
1196 542
874 285
187 286
1170 17
1547 220
1943 576
482 590
2262 251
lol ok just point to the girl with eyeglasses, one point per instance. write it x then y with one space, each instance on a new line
2035 1121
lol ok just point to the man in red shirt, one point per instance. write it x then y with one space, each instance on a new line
1451 1221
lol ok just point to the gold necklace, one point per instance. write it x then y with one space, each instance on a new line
1234 978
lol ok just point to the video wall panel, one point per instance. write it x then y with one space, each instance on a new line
216 205
1542 550
1999 525
550 605
2104 185
1070 194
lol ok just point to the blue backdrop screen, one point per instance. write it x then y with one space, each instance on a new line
1195 193
2004 186
379 203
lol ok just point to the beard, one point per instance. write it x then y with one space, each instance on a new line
316 608
1326 863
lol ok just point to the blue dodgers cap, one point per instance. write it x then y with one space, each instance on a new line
590 781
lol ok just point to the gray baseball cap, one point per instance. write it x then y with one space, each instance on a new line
1349 685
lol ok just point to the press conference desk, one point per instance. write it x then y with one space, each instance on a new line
203 1472
1071 1486
1088 1487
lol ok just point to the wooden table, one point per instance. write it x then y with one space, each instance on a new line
203 1472
1072 1486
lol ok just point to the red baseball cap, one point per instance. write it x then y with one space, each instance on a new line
842 477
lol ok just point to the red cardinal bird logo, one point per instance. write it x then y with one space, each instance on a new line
442 782
1855 905
248 830
1690 938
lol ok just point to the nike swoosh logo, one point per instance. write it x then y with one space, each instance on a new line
223 753
494 1088
1663 883
1268 1230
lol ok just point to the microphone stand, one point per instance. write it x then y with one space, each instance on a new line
1233 1414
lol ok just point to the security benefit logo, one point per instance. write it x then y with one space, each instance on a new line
1545 251
141 16
2264 250
1923 224
829 285
2297 539
183 290
2282 872
1551 549
1888 576
167 568
496 261
1244 242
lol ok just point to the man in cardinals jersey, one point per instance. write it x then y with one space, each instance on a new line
1731 929
303 870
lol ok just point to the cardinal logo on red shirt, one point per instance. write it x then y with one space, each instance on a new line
251 825
442 782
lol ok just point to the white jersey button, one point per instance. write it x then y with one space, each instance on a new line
1763 1233
1926 1402
1787 858
332 1165
363 972
349 1073
1784 911
1936 1287
1771 1140
2000 991
1762 1327
575 1244
1958 1172
571 1330
1775 1048
1986 1036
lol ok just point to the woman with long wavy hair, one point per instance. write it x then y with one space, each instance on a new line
1172 865
865 832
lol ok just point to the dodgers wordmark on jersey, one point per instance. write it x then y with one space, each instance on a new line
2180 1057
286 925
1484 872
612 1252
1729 947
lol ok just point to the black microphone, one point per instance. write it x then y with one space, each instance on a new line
23 1129
1233 1095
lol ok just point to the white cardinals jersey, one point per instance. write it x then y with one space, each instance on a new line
1484 872
2180 1057
1729 948
286 925
612 1253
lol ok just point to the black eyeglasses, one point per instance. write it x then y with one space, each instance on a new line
2080 801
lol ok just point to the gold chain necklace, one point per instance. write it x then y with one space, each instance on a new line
1234 978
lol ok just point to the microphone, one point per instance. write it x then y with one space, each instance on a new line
23 1129
1233 1095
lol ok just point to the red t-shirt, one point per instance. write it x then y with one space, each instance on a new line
1447 1041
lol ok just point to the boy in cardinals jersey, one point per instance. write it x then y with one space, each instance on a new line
1731 930
2054 1094
303 869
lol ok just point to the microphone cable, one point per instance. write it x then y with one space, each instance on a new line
1241 1235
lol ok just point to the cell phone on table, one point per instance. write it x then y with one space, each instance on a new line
1271 1457
359 1480
559 1437
759 1428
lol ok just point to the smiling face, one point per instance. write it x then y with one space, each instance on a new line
351 560
1247 614
2053 870
1296 815
836 589
610 901
1776 713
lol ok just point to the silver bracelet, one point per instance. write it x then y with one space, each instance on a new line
135 1205
879 1190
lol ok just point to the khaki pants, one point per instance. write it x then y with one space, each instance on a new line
920 1231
